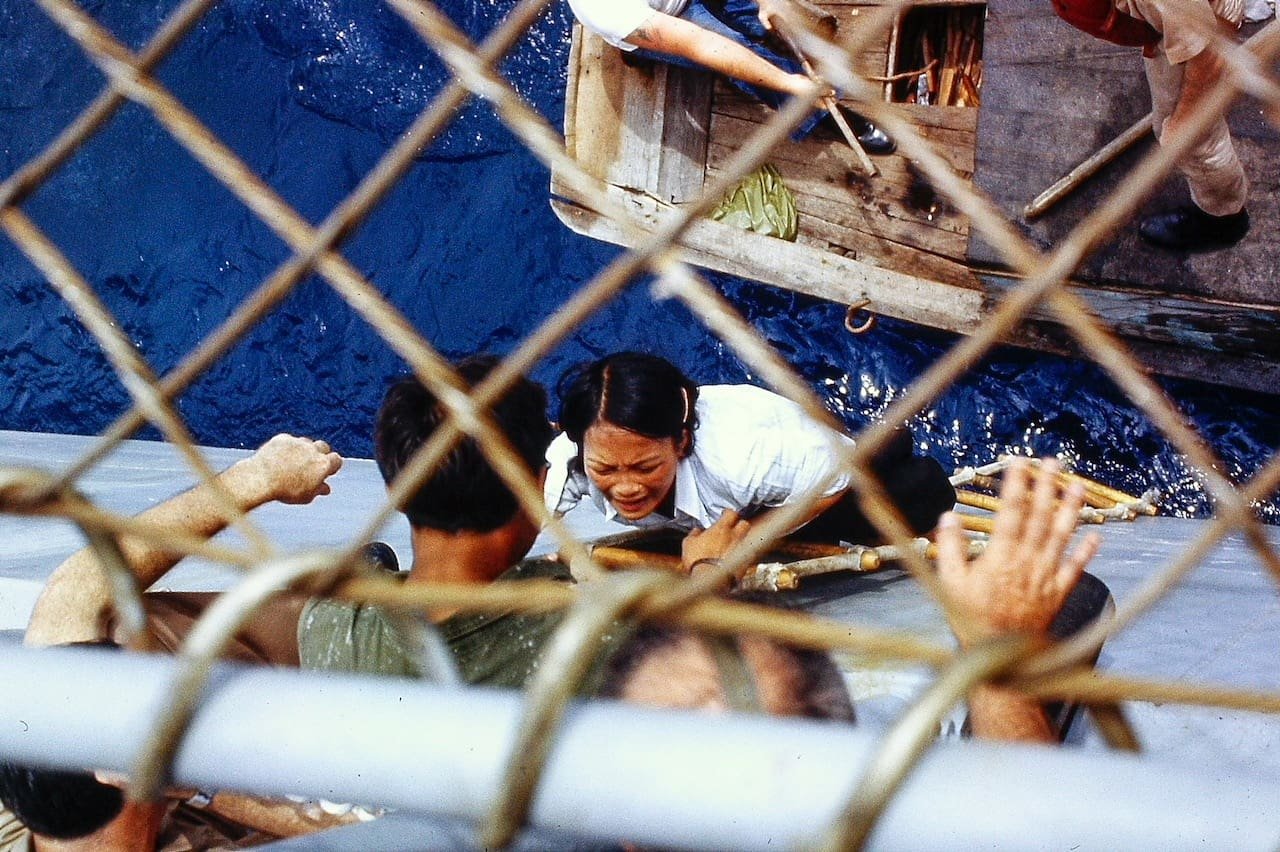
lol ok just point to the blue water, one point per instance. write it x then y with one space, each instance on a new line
310 93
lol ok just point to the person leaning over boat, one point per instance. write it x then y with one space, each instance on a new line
651 449
726 36
466 526
1182 68
85 810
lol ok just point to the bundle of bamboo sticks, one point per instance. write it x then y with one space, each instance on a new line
789 560
944 44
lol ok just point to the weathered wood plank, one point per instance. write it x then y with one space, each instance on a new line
803 268
593 124
1204 324
729 101
686 122
729 133
640 142
898 196
639 124
873 221
886 254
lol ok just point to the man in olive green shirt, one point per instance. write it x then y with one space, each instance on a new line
499 649
466 527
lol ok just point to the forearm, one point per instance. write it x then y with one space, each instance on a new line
996 713
670 35
75 605
278 817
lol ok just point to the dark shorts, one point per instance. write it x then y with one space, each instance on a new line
918 486
271 636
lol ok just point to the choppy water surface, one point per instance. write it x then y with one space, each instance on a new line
310 93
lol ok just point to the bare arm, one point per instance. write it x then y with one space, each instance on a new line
278 817
667 34
1017 586
75 605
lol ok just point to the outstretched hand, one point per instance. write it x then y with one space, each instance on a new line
715 541
293 470
1020 582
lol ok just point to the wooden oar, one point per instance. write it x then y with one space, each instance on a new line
1087 169
829 102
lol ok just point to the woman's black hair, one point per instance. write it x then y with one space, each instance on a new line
643 393
57 803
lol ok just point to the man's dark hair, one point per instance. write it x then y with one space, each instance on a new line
822 693
58 803
643 393
464 492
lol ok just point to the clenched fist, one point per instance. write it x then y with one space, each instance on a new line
290 469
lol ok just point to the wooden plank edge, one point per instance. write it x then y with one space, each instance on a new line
1171 360
570 127
801 268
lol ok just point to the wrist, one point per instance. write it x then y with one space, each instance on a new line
704 562
710 565
247 483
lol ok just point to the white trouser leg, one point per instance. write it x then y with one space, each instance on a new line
1212 168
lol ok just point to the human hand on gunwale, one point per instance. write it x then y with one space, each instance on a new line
1023 578
715 541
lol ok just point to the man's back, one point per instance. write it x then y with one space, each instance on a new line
491 649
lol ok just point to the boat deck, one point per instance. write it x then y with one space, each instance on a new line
1050 96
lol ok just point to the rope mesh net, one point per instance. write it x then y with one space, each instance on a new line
1059 672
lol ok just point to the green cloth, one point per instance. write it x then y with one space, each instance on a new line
761 203
501 649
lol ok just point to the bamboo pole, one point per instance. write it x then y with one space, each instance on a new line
1069 182
978 501
829 102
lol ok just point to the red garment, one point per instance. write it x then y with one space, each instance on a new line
1101 19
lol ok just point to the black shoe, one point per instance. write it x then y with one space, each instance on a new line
378 554
1188 228
873 140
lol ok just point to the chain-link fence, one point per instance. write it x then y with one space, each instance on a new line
1061 671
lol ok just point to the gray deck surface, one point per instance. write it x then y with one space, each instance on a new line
1221 626
1051 97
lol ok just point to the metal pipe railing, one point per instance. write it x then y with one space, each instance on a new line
616 772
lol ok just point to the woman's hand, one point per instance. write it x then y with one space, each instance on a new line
710 545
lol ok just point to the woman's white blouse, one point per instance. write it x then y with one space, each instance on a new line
752 450
614 20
